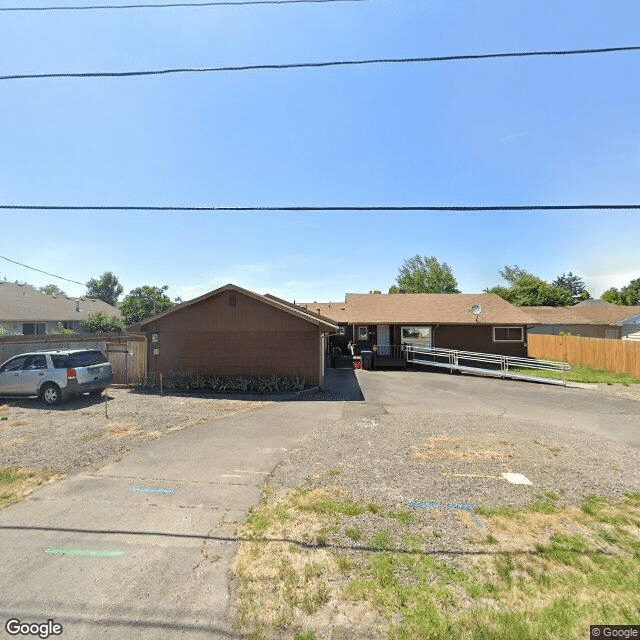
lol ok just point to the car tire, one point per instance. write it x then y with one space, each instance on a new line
50 394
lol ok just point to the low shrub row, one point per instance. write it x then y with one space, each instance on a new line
220 384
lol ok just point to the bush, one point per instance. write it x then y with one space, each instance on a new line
218 384
102 323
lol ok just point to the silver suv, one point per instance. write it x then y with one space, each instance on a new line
55 375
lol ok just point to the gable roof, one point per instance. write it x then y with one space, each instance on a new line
27 304
582 314
420 308
324 323
337 311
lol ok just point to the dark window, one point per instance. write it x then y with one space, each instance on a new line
508 334
86 358
36 362
232 301
17 364
60 362
34 328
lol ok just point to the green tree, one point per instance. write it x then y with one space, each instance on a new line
628 295
527 290
422 274
576 286
106 288
52 290
102 323
144 302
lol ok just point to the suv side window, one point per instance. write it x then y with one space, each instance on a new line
36 362
17 364
60 362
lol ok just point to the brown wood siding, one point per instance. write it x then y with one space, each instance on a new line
250 338
477 338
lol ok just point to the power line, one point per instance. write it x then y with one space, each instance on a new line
172 5
41 271
258 208
307 65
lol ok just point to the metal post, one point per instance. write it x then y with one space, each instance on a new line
160 384
106 402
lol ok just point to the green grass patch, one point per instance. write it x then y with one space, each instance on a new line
503 512
354 534
331 507
545 571
404 517
92 436
16 483
374 508
580 373
334 472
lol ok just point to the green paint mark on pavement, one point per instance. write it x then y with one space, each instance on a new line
87 553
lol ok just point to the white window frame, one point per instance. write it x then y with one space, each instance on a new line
413 341
508 327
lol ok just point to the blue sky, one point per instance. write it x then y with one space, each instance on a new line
517 131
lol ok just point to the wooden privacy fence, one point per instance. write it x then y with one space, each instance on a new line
621 356
127 353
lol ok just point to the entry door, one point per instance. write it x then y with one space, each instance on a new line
383 340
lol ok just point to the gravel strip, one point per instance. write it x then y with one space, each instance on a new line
76 434
447 458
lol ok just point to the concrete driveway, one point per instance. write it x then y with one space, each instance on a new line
141 548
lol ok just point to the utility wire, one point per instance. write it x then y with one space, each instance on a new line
481 208
303 65
222 3
41 271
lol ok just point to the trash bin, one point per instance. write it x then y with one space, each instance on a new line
367 359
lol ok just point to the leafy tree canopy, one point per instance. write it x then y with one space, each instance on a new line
144 302
422 274
576 286
106 288
527 290
628 295
102 323
52 290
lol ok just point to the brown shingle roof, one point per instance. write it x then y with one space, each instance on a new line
337 311
581 314
24 303
436 308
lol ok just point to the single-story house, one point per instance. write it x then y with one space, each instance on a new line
232 331
590 319
26 311
387 321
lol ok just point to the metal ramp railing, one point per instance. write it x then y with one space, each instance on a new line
486 363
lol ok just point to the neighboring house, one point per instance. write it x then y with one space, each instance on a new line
232 331
386 321
591 319
27 311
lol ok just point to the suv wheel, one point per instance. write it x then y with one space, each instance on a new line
50 394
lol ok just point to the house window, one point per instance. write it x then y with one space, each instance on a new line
363 333
232 301
611 334
508 334
417 336
34 328
342 331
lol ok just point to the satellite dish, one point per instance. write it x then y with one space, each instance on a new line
476 309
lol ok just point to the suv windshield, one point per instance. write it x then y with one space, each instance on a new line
79 359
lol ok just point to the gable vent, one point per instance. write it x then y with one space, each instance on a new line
232 300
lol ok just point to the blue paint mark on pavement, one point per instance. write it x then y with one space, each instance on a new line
425 505
151 490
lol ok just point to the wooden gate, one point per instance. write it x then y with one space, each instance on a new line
128 360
